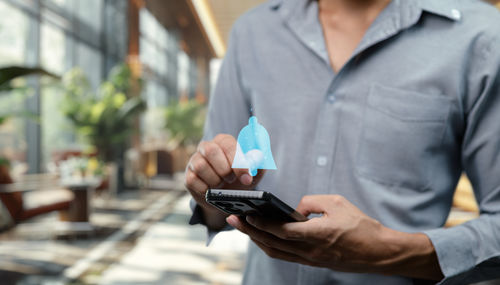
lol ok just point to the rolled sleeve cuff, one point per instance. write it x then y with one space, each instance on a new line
197 218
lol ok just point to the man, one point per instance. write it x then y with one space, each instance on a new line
374 109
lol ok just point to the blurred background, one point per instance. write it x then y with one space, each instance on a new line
102 102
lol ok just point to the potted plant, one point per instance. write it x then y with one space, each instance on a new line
105 118
184 123
7 84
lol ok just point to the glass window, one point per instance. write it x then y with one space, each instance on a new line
13 35
162 37
161 58
183 76
70 35
89 12
150 90
13 43
89 59
146 53
193 77
53 49
147 23
56 132
116 30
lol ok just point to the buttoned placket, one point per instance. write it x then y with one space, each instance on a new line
330 117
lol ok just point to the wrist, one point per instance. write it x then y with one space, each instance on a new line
409 254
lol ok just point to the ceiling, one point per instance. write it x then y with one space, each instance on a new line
175 14
227 11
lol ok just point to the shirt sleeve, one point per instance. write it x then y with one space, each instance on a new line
197 218
228 110
470 252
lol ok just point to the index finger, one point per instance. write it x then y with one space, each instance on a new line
228 145
313 204
300 231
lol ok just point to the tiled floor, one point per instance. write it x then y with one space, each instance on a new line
172 252
142 238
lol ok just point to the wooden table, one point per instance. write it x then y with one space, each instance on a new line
79 210
77 217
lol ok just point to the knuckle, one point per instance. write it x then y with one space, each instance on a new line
290 235
225 171
226 138
227 142
338 199
189 179
198 165
189 165
193 158
220 137
210 150
201 145
304 199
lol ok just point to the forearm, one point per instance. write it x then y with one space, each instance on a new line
412 255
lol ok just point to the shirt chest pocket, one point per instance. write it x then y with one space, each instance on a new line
402 130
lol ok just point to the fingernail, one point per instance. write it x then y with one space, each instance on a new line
250 220
231 220
230 178
246 179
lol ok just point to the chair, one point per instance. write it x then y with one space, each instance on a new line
28 199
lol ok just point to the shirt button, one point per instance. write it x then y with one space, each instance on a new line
331 98
456 14
321 160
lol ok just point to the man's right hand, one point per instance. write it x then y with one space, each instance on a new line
210 167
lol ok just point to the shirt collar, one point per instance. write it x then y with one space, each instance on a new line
301 16
442 8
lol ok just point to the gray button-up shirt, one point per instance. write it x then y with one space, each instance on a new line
417 104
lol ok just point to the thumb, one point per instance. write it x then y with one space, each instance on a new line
312 204
244 176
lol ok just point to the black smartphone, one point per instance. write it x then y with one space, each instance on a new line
253 202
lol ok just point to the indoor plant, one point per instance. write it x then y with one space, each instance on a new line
184 123
8 75
105 118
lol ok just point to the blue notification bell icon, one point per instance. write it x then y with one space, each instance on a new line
253 148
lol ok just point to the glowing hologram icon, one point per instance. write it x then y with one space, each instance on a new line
253 150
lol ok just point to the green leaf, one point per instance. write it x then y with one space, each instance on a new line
4 161
7 74
184 121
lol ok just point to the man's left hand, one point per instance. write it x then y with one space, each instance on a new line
343 238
